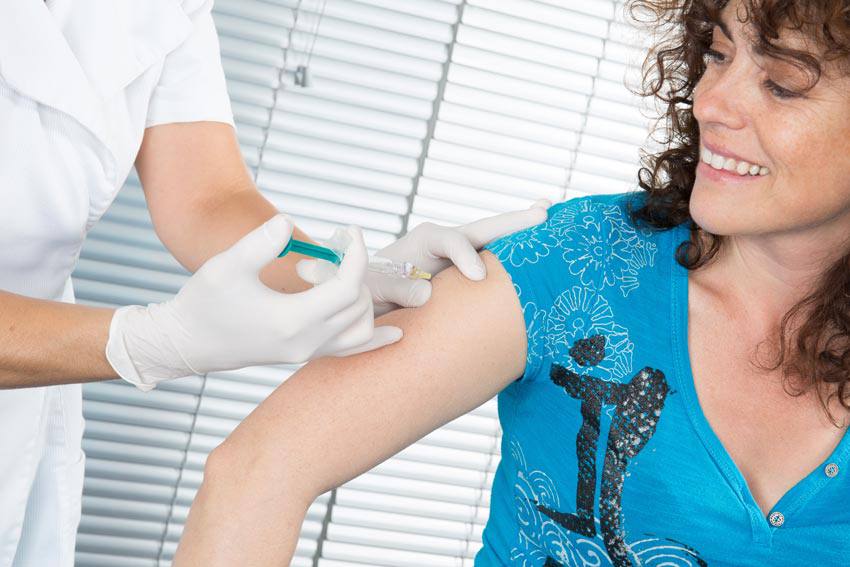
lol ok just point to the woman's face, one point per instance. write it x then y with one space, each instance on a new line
796 147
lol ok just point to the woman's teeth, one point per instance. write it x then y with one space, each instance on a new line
743 168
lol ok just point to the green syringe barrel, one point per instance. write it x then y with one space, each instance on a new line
312 250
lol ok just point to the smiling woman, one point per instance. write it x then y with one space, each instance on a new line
764 84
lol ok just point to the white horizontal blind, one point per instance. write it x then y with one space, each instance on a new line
413 114
346 149
536 105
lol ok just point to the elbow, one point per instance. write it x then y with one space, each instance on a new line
243 514
246 479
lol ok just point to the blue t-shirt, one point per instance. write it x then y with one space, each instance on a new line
607 458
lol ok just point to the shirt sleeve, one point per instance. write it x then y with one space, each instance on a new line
560 270
524 256
191 87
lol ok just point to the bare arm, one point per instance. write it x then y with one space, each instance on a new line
48 342
337 418
202 198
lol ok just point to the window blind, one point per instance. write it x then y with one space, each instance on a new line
418 110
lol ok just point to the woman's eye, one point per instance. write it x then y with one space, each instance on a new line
714 56
777 91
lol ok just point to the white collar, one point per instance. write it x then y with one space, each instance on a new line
87 51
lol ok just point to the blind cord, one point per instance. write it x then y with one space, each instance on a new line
315 33
279 87
432 123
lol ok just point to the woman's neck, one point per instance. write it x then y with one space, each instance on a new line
760 277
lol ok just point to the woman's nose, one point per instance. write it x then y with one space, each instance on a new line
720 98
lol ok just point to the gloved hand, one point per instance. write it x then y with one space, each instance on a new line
225 318
433 248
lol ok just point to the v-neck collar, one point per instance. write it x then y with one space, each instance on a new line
798 495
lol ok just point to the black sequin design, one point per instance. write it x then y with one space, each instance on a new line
637 409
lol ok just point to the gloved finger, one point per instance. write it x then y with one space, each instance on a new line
354 264
482 232
384 308
315 271
346 317
340 239
261 245
358 333
341 291
399 291
351 327
454 245
383 336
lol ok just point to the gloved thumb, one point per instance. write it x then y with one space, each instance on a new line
399 291
261 245
486 230
384 335
315 271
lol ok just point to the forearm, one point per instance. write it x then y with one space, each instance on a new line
48 342
202 201
213 225
217 533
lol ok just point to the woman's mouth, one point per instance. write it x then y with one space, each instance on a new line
731 165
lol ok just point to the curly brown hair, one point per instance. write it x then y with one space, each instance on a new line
817 354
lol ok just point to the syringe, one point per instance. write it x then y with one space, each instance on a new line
400 269
376 263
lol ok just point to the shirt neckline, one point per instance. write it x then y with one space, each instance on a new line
798 495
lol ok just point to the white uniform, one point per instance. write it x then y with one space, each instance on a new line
80 80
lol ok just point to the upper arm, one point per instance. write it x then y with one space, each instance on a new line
199 193
189 164
339 417
189 149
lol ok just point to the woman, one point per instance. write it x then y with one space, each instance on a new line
684 349
87 90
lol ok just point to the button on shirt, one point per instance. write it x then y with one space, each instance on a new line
607 458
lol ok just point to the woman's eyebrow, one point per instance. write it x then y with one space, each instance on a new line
725 29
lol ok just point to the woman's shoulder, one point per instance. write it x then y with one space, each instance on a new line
575 224
581 212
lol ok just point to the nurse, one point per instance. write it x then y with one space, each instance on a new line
87 90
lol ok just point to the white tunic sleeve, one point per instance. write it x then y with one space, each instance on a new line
191 87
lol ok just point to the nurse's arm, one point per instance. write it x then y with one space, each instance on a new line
337 418
49 342
202 198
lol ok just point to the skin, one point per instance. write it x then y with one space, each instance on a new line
782 230
195 182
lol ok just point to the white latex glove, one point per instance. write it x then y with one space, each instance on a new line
433 248
225 318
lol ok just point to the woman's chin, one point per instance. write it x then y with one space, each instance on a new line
720 215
